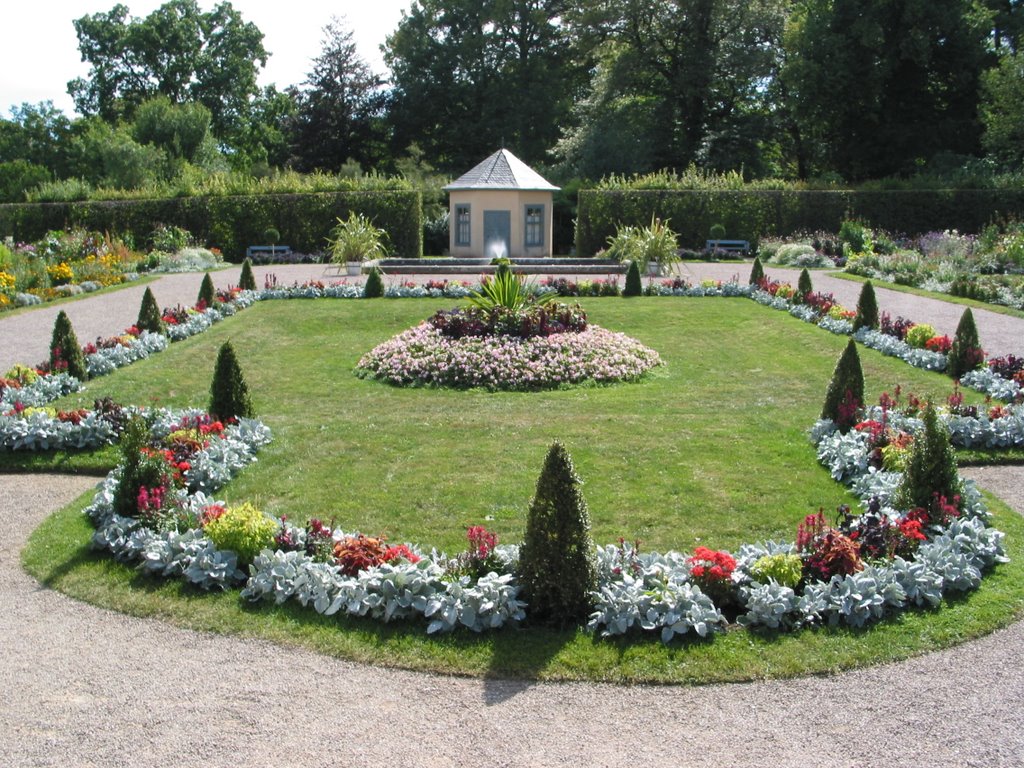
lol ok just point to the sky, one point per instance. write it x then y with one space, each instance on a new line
39 51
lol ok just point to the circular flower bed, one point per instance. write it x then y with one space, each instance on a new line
425 356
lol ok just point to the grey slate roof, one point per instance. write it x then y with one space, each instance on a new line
502 170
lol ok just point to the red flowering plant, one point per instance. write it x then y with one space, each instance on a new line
877 536
712 571
359 552
627 558
479 558
826 551
939 344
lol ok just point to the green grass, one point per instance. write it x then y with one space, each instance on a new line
999 309
710 450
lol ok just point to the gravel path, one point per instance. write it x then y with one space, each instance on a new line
84 686
87 687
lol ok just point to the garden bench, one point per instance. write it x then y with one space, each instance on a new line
267 250
733 246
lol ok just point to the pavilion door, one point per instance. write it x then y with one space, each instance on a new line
497 233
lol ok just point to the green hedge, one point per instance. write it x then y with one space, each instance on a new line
230 222
750 215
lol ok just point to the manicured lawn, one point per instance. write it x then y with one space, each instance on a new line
709 450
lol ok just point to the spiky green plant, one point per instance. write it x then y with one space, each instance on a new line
229 394
374 288
845 395
756 272
356 239
634 285
867 308
207 293
557 567
965 354
150 318
506 290
246 280
65 351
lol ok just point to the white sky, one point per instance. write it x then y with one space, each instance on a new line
39 49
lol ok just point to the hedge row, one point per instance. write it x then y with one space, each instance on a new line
749 215
233 222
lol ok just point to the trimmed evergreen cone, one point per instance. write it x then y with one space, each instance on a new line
845 395
374 288
207 293
247 281
65 351
803 285
965 354
150 318
634 285
867 308
229 395
756 272
930 475
557 568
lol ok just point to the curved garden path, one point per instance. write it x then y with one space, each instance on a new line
85 686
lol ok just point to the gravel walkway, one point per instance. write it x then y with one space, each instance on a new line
87 687
84 686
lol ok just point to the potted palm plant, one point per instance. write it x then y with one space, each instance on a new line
355 240
654 247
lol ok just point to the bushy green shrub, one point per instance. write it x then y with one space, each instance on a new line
845 395
803 284
855 236
244 530
65 351
246 280
229 395
170 238
867 308
140 468
634 284
150 318
919 335
207 293
930 473
756 272
965 354
654 243
374 288
557 568
717 232
785 570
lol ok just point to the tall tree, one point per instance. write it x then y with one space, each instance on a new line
698 72
1002 109
340 107
178 52
471 75
886 84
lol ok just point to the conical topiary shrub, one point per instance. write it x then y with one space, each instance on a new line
965 354
557 567
845 395
374 288
65 351
803 285
867 308
207 293
229 395
756 272
930 473
634 285
150 318
246 280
